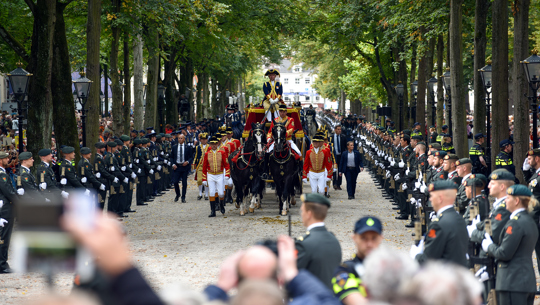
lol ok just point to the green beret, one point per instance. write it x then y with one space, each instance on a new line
463 161
125 138
477 180
442 185
417 137
435 146
440 153
25 155
3 155
519 190
451 157
44 152
137 141
315 198
158 137
68 149
100 145
421 143
502 174
118 142
111 144
534 152
85 151
145 140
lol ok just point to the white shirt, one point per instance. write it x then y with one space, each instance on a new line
516 212
316 150
498 201
25 167
315 225
439 212
466 176
350 159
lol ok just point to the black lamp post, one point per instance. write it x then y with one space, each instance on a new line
431 83
532 69
486 73
447 86
18 79
161 101
82 88
399 90
414 86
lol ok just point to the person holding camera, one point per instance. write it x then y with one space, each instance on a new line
7 217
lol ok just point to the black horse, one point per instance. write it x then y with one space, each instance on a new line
283 167
246 164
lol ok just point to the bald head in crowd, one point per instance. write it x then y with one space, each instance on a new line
259 263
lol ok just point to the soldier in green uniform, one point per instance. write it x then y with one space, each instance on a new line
347 281
438 166
113 166
26 182
516 281
449 166
85 171
46 178
319 251
127 161
406 154
101 172
476 154
533 156
504 158
464 169
142 171
69 180
7 213
446 238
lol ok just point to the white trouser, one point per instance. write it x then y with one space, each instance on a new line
216 184
269 114
201 190
291 143
317 181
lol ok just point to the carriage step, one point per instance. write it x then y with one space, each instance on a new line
269 181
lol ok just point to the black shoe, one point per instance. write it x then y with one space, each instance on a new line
7 270
395 208
130 211
402 217
327 195
410 225
222 206
199 197
183 200
123 216
413 234
142 204
339 188
205 198
350 197
176 198
212 209
149 200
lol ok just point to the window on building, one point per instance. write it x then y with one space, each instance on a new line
297 81
308 81
316 98
286 98
307 98
296 69
286 81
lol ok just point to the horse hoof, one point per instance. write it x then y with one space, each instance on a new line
284 213
251 210
237 205
242 213
258 205
293 201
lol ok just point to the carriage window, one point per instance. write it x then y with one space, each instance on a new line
308 81
297 81
285 81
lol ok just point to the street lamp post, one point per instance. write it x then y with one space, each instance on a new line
446 84
532 69
399 90
161 101
18 79
415 95
431 83
82 88
486 73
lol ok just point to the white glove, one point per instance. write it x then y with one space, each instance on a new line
415 250
432 215
1 203
131 166
139 171
386 158
376 162
137 161
63 181
419 203
413 201
148 161
401 164
87 192
205 183
526 165
481 274
417 185
407 172
47 200
3 222
335 170
98 175
162 153
112 168
396 177
115 180
126 180
42 185
83 179
475 221
102 187
486 242
470 229
65 194
159 167
123 168
382 166
133 175
304 180
392 163
404 186
423 189
155 159
151 171
20 191
388 174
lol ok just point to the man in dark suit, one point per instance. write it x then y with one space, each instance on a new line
181 159
339 146
350 165
319 251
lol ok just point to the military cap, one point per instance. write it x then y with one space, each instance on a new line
153 134
435 145
44 152
145 140
318 138
168 136
213 140
405 137
3 155
125 138
112 144
203 135
519 190
271 71
417 137
367 224
534 152
502 174
481 180
118 142
218 135
505 142
161 134
282 107
442 185
479 136
421 143
68 149
85 150
149 128
463 161
137 141
451 157
158 137
229 130
432 126
25 155
440 154
444 127
315 198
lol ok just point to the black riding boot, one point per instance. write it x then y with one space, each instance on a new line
212 208
228 196
222 206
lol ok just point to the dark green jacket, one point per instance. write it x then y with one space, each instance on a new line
46 174
85 169
68 171
7 195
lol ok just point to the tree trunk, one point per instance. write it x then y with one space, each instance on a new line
138 85
39 93
152 79
93 72
209 112
117 125
429 73
421 97
412 78
500 76
402 115
520 85
458 86
172 101
440 88
65 123
480 43
127 87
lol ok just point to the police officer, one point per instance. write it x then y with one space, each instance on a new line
347 280
516 281
447 144
476 154
446 238
416 130
444 129
46 178
504 158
